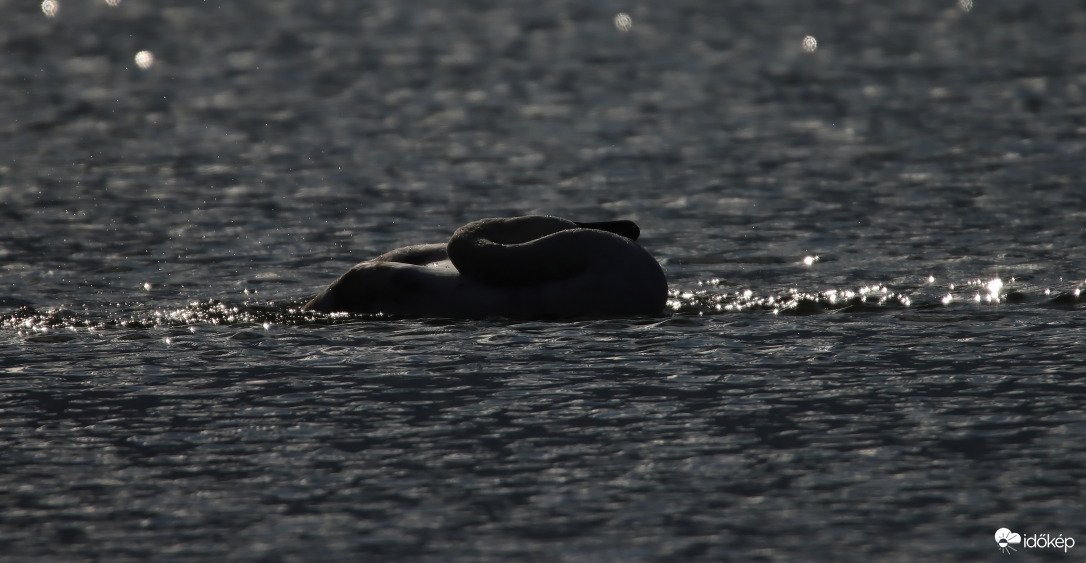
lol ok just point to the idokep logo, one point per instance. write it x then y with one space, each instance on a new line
1008 539
1005 538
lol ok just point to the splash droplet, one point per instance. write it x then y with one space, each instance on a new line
810 43
965 5
50 7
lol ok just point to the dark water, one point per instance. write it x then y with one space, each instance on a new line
875 347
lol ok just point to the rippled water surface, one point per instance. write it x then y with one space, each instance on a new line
874 340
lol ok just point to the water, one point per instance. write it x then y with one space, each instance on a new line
874 346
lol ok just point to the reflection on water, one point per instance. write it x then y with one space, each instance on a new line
706 298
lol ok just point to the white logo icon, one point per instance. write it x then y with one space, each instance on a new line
1005 538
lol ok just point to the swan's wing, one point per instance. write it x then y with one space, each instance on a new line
419 254
535 248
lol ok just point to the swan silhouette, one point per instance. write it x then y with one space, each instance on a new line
527 267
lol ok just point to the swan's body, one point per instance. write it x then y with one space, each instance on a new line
524 267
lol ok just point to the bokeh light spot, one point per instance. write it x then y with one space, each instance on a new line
144 59
623 22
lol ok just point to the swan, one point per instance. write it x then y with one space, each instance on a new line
528 267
